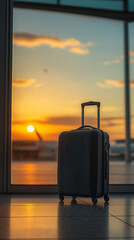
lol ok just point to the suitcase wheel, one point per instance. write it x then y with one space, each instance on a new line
94 200
73 197
61 197
106 197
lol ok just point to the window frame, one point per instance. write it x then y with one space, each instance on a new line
5 149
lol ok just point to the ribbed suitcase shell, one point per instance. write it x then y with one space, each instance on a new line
83 163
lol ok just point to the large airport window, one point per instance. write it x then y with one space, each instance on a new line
59 61
131 60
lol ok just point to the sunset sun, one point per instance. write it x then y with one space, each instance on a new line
30 128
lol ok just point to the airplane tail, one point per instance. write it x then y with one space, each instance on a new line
39 136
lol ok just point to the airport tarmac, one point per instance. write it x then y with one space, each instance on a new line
45 172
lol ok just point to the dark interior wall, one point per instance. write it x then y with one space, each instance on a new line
5 73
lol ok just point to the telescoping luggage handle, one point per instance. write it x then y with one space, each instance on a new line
98 111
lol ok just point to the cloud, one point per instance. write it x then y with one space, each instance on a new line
63 120
78 50
131 52
132 83
109 108
112 62
75 121
116 118
89 44
113 83
31 40
23 82
132 60
102 85
119 83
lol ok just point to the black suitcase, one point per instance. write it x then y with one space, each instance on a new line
83 161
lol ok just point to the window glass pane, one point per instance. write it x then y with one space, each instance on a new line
59 61
131 58
40 1
131 5
101 4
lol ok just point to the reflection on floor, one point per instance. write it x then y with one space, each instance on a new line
45 172
44 217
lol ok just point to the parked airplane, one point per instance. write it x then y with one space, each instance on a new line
118 149
39 150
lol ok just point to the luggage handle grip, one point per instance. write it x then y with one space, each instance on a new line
86 126
91 103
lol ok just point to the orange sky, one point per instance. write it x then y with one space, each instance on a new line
55 69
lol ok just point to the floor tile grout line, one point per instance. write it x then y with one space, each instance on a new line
124 221
52 205
49 204
34 204
55 217
124 215
112 238
37 206
85 202
10 205
109 214
104 238
94 205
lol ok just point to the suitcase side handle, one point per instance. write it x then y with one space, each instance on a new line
91 103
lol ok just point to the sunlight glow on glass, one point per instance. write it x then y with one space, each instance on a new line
30 128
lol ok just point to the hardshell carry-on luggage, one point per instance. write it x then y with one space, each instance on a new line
83 161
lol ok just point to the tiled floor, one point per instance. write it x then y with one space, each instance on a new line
44 217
